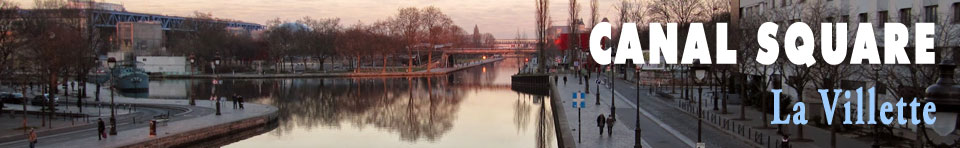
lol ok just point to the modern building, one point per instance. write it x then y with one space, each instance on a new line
85 4
140 38
163 64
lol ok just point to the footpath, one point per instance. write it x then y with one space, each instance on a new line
579 128
193 124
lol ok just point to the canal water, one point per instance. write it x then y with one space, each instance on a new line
471 108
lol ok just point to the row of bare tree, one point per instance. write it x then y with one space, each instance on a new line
305 40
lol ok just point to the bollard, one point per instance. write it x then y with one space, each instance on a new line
153 128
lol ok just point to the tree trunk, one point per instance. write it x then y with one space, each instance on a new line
763 108
384 69
323 63
24 91
409 63
833 127
800 99
429 60
743 97
356 66
723 89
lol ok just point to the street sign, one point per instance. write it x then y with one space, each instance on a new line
579 100
701 145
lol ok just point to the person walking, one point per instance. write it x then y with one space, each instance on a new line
555 79
32 138
240 101
600 122
100 128
235 103
564 80
610 121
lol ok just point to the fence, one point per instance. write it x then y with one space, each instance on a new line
724 123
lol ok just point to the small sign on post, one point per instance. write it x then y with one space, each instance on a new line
579 100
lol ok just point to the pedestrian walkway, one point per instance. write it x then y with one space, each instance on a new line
684 125
186 122
586 133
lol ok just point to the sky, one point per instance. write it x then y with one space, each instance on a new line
503 18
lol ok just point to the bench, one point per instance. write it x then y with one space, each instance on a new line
162 118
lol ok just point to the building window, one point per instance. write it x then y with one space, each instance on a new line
741 12
905 17
882 17
956 13
864 18
930 14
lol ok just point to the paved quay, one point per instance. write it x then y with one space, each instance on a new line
194 123
662 123
623 136
432 72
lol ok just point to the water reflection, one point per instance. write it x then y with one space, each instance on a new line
466 109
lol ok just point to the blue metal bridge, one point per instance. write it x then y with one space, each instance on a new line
109 19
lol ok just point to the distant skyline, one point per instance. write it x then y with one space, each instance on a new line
502 18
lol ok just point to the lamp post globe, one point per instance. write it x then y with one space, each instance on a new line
944 93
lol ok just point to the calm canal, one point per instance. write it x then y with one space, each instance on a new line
470 108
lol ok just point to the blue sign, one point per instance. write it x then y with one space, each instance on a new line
579 100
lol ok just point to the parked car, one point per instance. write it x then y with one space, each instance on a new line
12 98
45 98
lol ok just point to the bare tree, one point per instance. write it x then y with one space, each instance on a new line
574 37
799 76
679 11
9 42
543 20
319 40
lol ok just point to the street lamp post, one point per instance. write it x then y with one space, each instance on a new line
637 141
700 72
944 95
613 80
598 86
190 82
112 62
98 80
216 61
876 127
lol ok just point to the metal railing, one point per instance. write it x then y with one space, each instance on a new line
733 127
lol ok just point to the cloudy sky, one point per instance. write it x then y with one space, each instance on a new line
501 17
